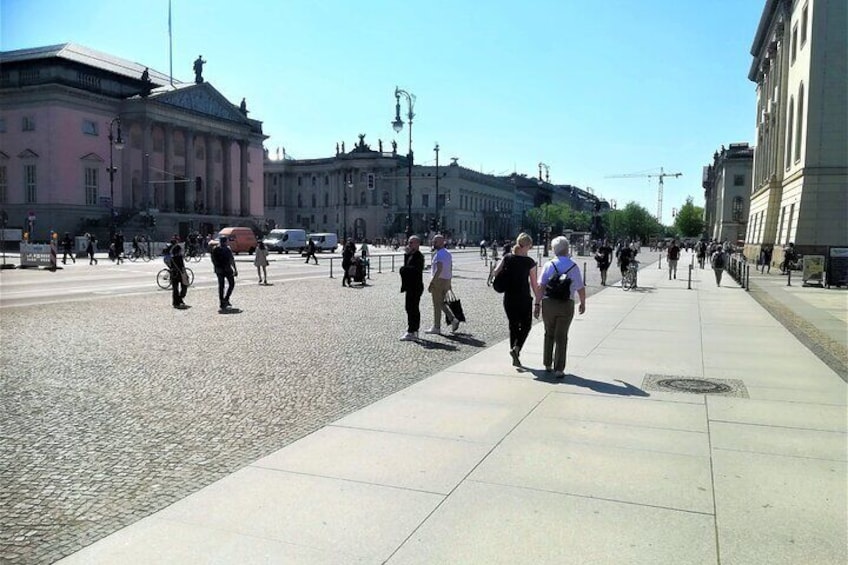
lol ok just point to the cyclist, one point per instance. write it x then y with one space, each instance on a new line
788 258
625 257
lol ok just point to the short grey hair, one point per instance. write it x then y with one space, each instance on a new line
560 246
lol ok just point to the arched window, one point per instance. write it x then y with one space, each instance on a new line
799 130
789 130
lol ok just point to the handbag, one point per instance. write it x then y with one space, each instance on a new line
501 281
185 278
455 305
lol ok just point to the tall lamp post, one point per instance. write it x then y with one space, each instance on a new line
547 229
436 225
118 144
347 183
397 125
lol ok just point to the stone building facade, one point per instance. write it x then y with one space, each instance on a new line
800 180
727 190
188 159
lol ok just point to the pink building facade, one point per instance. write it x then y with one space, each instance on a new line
93 143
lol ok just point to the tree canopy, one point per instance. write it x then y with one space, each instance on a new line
632 222
690 220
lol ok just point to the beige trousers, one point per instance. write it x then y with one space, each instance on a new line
438 292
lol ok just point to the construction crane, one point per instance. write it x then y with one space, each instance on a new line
661 175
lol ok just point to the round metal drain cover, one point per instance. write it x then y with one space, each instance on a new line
697 386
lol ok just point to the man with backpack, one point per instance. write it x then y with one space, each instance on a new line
717 261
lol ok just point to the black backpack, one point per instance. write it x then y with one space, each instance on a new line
559 285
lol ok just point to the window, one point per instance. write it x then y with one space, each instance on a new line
799 130
738 180
363 199
789 130
326 183
314 182
794 42
158 144
3 184
789 222
425 200
299 201
29 184
314 201
91 186
299 181
804 21
738 205
28 123
200 153
89 127
326 201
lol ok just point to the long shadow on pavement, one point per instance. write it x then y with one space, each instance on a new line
598 386
466 339
427 344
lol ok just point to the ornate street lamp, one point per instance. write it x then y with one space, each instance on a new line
347 183
397 125
117 143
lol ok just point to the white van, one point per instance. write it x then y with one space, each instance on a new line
325 241
285 240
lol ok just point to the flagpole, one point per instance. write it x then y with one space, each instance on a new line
170 45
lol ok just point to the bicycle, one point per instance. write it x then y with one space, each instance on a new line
193 253
137 254
163 278
630 275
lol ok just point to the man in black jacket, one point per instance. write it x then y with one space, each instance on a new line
177 269
225 268
412 283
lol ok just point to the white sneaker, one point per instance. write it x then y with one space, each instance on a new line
434 330
407 337
454 325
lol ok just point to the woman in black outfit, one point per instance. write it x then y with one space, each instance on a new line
518 302
348 251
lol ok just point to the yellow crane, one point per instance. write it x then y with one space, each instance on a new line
661 175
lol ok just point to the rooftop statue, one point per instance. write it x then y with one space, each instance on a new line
198 69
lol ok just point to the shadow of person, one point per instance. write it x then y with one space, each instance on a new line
427 344
606 388
465 339
231 311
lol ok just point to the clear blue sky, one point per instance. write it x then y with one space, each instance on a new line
590 87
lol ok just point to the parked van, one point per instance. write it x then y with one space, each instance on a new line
325 241
286 240
241 240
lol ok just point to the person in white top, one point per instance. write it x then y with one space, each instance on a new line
440 284
558 311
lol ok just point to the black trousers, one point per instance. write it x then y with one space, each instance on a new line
519 312
224 298
178 289
413 309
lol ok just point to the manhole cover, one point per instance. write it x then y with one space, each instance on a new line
692 385
698 386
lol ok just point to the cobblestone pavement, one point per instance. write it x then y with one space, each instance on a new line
115 408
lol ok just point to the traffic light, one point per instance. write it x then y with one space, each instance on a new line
371 181
434 224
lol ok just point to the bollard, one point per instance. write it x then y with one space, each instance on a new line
659 264
748 278
331 267
584 273
689 284
788 278
379 264
393 263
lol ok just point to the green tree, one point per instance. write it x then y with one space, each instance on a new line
632 222
690 220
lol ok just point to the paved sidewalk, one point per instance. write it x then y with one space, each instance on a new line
483 463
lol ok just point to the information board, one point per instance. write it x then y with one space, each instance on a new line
813 269
837 266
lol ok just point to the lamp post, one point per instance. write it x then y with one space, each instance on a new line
397 125
437 226
347 183
118 144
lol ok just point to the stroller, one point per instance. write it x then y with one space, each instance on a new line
357 271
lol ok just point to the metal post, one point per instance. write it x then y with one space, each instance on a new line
584 273
331 267
789 277
116 144
393 263
379 264
748 278
397 125
659 264
689 284
437 225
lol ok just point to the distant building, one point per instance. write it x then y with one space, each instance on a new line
727 189
800 186
189 158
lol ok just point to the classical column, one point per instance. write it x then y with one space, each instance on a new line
169 167
189 163
244 190
227 189
125 171
209 181
190 186
146 148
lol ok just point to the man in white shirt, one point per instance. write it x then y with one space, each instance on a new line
440 284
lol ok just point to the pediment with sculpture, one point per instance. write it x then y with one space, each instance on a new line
203 99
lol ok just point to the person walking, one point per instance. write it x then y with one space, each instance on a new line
310 251
701 250
225 269
91 248
717 260
67 248
179 279
603 257
119 247
412 285
557 306
625 257
260 261
672 256
765 259
441 269
521 278
348 251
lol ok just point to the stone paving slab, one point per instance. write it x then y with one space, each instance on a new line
820 417
795 442
484 524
